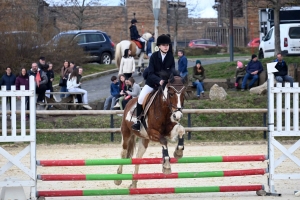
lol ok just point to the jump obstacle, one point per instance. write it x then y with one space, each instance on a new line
275 127
147 176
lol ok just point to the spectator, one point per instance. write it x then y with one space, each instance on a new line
282 74
23 79
80 71
50 76
114 93
42 62
65 71
41 81
198 77
136 90
239 73
182 65
72 66
149 46
123 95
127 66
73 86
122 89
254 68
8 79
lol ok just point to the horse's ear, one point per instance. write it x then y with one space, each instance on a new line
171 78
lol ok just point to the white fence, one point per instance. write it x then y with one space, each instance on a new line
287 99
12 187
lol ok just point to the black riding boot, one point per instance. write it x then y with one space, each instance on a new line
143 46
137 125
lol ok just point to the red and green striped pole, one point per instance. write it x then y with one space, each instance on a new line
177 190
179 175
135 161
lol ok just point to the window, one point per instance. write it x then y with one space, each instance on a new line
95 38
269 35
210 42
294 32
80 39
200 42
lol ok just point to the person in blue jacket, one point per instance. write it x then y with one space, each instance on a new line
182 64
134 34
282 74
254 68
149 44
114 93
8 79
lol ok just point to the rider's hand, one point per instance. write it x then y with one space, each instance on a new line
161 82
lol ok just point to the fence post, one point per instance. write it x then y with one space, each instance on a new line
111 126
265 124
189 125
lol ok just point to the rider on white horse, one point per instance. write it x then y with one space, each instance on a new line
134 34
162 60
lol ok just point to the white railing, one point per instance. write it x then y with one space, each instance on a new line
12 136
287 102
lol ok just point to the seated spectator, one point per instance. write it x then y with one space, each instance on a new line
282 74
254 68
41 81
114 93
122 89
8 79
239 73
73 86
136 90
182 65
198 77
23 79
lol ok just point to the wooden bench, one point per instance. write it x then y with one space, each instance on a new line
68 103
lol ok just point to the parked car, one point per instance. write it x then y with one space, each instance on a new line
96 43
203 43
254 42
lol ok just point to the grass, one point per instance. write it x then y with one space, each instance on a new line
88 69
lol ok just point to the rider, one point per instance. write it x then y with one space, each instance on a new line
161 60
134 34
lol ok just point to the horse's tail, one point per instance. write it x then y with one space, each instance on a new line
131 146
118 55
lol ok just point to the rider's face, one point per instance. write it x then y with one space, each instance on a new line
164 47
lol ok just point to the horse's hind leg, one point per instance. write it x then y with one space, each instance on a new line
126 138
143 144
165 155
178 153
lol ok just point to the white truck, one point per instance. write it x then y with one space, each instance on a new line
289 32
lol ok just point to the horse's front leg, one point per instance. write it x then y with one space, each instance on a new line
143 144
178 153
165 156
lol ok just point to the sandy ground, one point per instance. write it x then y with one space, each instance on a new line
285 187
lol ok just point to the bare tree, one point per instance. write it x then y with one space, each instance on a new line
122 2
79 13
276 5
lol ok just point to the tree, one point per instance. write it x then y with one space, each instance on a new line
122 2
79 13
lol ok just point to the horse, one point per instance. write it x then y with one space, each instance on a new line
161 122
135 51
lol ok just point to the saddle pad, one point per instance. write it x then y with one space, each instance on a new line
137 43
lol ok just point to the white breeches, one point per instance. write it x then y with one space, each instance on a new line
146 90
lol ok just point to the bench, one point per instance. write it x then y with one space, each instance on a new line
66 103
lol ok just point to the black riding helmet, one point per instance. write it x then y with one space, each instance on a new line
133 21
163 39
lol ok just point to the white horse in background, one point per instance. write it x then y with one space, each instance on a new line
135 51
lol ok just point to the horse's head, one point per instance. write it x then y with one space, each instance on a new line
174 92
147 36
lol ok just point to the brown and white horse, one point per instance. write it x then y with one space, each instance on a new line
162 123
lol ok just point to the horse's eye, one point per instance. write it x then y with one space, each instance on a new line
171 94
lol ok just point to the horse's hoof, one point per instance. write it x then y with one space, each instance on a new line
166 170
118 182
178 154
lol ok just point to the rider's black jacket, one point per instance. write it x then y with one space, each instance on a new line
134 34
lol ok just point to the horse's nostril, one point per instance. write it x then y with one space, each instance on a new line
174 115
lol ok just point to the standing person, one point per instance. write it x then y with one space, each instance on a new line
134 34
80 71
161 60
254 68
72 65
198 77
73 86
136 90
41 81
42 63
282 74
114 93
64 74
239 73
127 66
8 79
182 64
50 75
23 79
149 46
